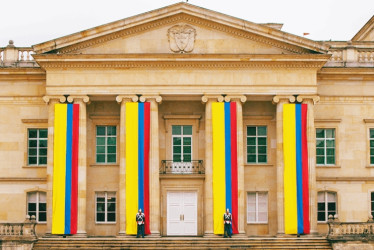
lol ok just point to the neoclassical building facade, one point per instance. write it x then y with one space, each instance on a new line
182 60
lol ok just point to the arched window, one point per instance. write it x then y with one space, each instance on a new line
326 205
37 205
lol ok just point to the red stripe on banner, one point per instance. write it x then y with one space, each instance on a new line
305 169
146 165
234 169
74 171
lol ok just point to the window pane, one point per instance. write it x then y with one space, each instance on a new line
111 149
100 130
262 216
330 133
330 151
100 207
111 140
187 149
31 207
111 158
331 206
371 160
320 160
177 149
33 133
320 133
252 216
321 206
100 217
261 141
42 160
331 197
177 141
320 143
43 143
100 141
320 151
43 133
100 158
321 216
261 131
32 143
42 207
100 149
111 130
331 160
251 131
187 141
372 151
251 150
176 130
32 160
371 143
42 151
186 158
371 133
330 143
32 151
262 149
251 158
111 207
177 158
42 216
262 158
111 217
187 130
321 196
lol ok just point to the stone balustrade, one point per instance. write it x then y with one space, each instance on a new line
11 56
18 231
350 231
351 56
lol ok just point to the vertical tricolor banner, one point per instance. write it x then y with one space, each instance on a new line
65 169
137 163
225 164
296 186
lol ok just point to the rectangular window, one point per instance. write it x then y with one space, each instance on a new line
182 143
326 205
105 207
372 146
372 203
37 144
257 207
106 144
256 144
37 205
325 146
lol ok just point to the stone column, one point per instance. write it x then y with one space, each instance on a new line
311 134
208 194
280 100
240 99
82 163
122 99
51 101
154 169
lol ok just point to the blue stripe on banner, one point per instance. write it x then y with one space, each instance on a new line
228 156
299 171
141 156
69 138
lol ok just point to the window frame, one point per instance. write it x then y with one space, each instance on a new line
257 207
256 146
371 164
37 139
326 211
325 139
37 205
182 136
106 206
106 145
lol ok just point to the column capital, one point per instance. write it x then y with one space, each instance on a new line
127 98
84 98
48 98
156 98
282 98
304 98
206 98
240 98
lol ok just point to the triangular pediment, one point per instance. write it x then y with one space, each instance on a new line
366 33
182 28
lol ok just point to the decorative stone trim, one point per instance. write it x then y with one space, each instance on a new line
84 98
144 98
302 98
182 117
48 98
126 98
241 98
218 98
34 120
278 98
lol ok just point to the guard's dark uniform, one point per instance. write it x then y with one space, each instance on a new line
140 221
227 218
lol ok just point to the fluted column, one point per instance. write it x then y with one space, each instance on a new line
51 101
82 163
279 101
122 100
240 99
154 169
208 193
311 134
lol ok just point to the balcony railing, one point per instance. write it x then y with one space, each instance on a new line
192 167
350 231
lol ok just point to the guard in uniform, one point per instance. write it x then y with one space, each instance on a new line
227 220
140 221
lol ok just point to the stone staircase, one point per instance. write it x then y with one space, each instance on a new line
182 243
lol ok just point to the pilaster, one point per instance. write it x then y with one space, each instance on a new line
122 100
154 169
82 163
240 100
51 101
279 101
208 194
311 134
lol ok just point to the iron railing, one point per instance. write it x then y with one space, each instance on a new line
191 167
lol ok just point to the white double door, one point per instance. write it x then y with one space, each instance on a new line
181 213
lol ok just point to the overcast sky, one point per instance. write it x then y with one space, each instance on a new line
30 22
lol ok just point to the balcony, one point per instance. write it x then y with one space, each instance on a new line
192 167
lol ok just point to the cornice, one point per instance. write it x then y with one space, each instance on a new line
22 179
353 74
30 74
348 178
201 61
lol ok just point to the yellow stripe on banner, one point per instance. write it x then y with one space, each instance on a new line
59 169
289 149
131 166
219 193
